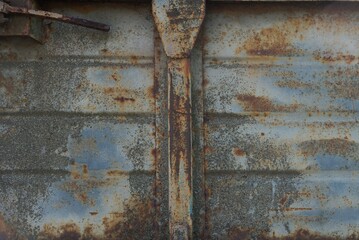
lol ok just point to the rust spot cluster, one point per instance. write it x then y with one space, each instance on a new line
263 104
138 219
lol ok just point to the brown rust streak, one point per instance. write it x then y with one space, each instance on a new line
330 57
335 146
180 161
124 99
118 95
263 104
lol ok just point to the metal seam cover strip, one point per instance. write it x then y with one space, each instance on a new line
178 23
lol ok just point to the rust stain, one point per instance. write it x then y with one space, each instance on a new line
85 169
330 57
345 87
81 197
134 60
335 146
297 209
136 220
7 232
208 149
115 77
269 42
283 200
205 82
263 104
121 95
154 90
278 39
239 152
66 231
115 173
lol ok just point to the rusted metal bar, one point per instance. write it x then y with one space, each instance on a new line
7 9
180 148
178 22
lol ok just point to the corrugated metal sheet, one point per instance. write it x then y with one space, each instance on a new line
78 127
84 122
280 103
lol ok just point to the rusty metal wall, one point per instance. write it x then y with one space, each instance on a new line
83 125
280 84
78 129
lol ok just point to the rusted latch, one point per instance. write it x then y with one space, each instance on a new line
26 20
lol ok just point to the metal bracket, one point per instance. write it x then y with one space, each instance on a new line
21 18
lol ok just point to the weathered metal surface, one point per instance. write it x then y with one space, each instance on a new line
281 130
78 141
83 71
6 8
83 127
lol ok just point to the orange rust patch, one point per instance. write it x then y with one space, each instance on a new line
269 42
263 104
239 152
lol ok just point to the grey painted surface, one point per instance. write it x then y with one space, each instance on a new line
83 125
281 130
77 129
